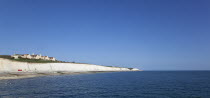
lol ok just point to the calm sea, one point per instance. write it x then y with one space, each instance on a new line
145 84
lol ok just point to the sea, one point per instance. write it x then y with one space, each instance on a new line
141 84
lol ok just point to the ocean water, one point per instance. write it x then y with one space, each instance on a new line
145 84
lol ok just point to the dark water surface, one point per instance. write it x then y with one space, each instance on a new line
145 84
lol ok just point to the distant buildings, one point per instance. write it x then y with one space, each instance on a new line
28 56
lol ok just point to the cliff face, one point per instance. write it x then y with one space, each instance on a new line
14 66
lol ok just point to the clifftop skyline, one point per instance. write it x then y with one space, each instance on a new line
144 34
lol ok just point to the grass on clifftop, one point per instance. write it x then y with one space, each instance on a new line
30 60
34 60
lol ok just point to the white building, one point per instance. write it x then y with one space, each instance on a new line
16 56
46 58
35 57
52 58
28 56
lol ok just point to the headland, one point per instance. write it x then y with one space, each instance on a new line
19 67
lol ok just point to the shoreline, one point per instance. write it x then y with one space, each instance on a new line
10 69
18 75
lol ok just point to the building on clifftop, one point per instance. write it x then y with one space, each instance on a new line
33 56
52 58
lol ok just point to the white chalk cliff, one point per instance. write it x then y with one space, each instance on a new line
7 65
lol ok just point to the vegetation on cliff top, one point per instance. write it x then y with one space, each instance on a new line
31 60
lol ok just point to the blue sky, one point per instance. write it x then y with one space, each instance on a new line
145 34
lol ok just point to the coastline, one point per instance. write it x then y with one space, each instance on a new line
18 75
10 69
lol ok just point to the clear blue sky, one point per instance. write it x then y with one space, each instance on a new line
146 34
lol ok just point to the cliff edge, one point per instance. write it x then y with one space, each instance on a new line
7 66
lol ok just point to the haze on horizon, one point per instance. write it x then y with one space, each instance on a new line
145 34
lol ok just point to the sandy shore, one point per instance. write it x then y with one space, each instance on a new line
20 75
